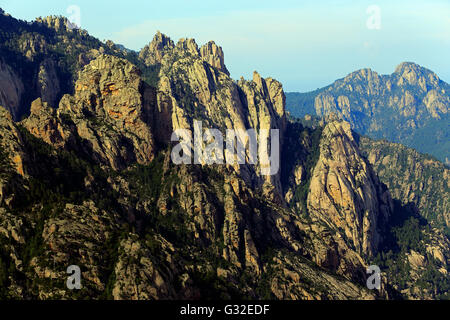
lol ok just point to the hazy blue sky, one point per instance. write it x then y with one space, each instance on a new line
304 44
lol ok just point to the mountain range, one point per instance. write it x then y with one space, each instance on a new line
409 106
86 179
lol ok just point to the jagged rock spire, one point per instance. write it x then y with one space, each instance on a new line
154 52
213 54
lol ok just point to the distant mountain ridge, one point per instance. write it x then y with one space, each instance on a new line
409 106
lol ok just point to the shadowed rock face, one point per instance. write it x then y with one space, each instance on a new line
194 84
412 178
48 82
13 159
11 89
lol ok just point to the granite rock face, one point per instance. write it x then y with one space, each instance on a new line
213 55
112 109
12 159
44 124
194 85
41 59
345 192
11 89
110 114
11 142
48 82
411 90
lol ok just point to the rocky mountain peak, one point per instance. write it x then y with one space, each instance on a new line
362 74
38 107
161 41
92 182
273 90
413 101
11 144
414 74
154 52
409 67
58 23
213 54
11 89
260 83
162 46
4 115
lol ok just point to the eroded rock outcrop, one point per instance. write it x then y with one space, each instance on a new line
165 231
59 23
412 178
194 84
11 142
294 279
154 52
140 280
11 89
109 116
411 90
412 102
112 110
345 193
213 55
44 124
